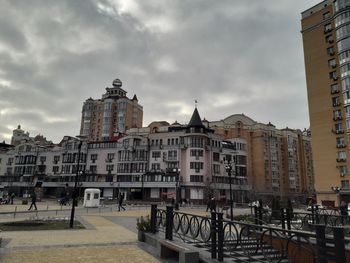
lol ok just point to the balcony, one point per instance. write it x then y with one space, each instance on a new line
337 118
341 145
334 91
341 160
336 104
339 131
109 160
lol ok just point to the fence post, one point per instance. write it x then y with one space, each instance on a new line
220 230
14 214
317 216
153 218
288 215
213 235
256 215
313 214
169 223
339 242
321 244
283 219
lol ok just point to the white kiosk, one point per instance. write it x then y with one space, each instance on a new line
92 197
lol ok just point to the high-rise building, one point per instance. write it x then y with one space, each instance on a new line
326 40
277 162
113 113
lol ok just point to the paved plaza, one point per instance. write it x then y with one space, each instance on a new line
110 236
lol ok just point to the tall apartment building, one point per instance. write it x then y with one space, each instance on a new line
276 163
113 113
326 41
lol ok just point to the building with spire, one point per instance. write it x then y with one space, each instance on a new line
113 113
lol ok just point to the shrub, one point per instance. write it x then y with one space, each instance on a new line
143 224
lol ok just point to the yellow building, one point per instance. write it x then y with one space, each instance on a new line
326 41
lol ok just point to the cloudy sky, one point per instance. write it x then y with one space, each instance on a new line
232 56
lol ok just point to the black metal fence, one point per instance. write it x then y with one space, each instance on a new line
251 242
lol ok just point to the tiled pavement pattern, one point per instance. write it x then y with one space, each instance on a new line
103 241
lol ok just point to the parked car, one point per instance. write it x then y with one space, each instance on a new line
316 206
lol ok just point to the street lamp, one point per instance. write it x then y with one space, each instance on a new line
81 139
177 170
228 168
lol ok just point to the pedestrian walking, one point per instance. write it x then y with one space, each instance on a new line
12 197
208 205
120 202
213 205
33 201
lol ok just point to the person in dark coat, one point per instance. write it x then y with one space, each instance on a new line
120 202
12 197
33 202
213 205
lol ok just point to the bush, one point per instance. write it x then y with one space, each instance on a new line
143 224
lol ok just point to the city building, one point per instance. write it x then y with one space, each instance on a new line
275 162
159 162
113 113
20 136
326 41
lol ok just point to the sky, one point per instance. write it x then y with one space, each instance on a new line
231 56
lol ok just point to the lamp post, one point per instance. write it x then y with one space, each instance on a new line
228 168
177 170
76 183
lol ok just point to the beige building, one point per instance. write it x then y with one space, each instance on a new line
277 162
113 113
326 40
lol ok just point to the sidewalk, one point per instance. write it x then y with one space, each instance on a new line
103 241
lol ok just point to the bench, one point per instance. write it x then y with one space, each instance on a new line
172 249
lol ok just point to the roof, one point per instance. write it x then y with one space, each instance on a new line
195 120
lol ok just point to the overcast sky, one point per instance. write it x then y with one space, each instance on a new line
232 56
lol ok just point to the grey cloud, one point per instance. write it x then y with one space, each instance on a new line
70 50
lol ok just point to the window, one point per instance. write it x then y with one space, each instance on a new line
329 39
343 170
338 127
346 96
344 184
56 159
196 153
327 27
156 154
216 168
335 101
326 15
340 141
337 115
343 44
344 57
216 157
341 155
330 51
155 166
172 155
93 157
334 88
333 75
109 167
126 143
196 178
110 157
332 63
93 169
42 159
196 165
55 169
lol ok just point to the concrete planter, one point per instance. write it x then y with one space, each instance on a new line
141 236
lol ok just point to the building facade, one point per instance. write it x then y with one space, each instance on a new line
326 41
152 163
163 161
276 162
113 113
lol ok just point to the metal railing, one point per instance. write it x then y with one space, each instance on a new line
249 242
